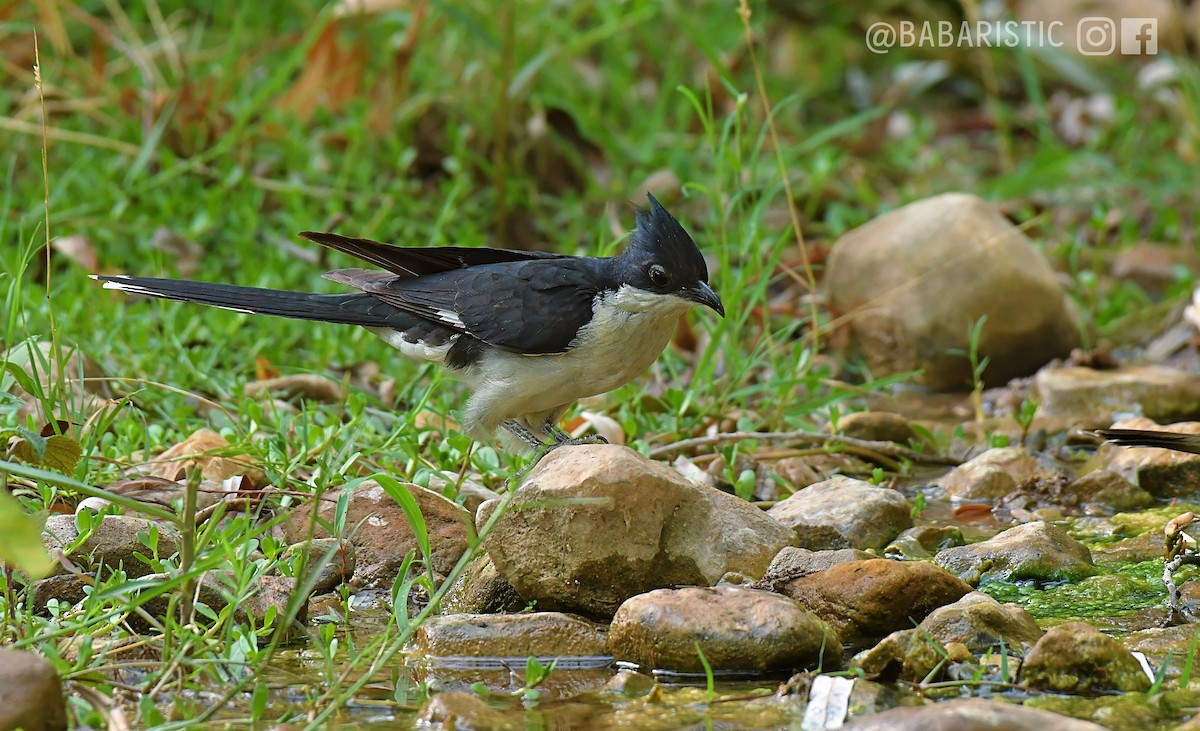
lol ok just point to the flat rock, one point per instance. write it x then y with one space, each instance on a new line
538 634
1163 473
866 600
596 524
1039 551
31 695
967 261
738 629
380 531
969 715
843 512
1086 394
114 543
981 623
1078 658
1001 472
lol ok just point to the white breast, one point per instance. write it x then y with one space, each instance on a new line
628 331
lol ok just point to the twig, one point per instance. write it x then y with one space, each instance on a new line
790 438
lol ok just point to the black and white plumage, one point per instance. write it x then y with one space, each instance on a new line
528 332
1176 441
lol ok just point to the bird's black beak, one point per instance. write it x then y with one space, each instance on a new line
703 294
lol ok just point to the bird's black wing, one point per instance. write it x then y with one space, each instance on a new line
417 262
532 308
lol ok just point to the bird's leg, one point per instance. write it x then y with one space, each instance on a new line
561 438
519 430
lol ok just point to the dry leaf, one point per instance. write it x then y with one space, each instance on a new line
59 452
604 426
78 249
973 513
299 386
196 451
183 252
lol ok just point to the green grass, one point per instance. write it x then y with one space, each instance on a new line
650 87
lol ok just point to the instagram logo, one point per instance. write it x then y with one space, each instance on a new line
1096 36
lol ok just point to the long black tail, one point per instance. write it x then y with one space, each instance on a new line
1145 438
349 309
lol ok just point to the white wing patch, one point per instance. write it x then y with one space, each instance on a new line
449 317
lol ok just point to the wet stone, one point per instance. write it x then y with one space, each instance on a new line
1078 658
866 600
922 541
540 634
1038 551
981 623
456 709
844 513
594 525
1109 489
739 630
908 654
969 715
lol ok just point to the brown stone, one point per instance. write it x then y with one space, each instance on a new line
866 600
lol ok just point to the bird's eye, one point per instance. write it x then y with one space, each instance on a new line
658 275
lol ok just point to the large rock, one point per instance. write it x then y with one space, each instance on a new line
737 628
865 600
1039 551
843 512
1078 658
30 693
594 525
380 532
914 280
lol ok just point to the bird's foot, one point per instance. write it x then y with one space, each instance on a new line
563 439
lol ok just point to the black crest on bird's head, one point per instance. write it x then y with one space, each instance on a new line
661 256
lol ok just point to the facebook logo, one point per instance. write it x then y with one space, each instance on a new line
1139 36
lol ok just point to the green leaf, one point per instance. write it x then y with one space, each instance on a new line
21 541
412 512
